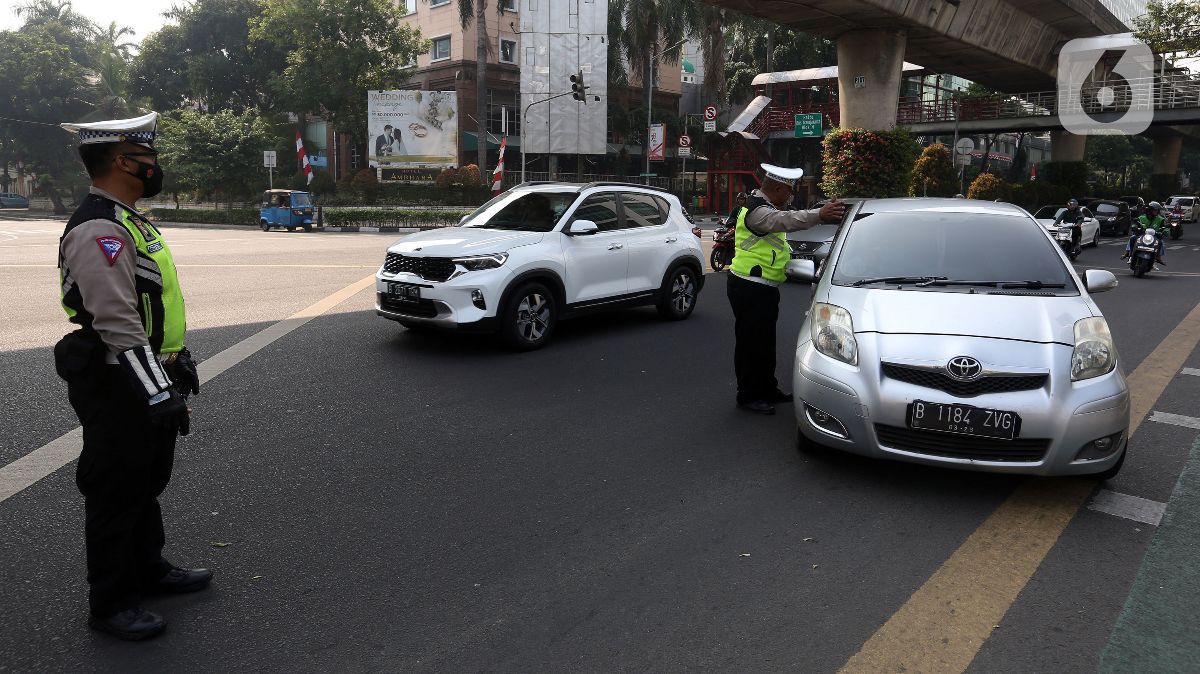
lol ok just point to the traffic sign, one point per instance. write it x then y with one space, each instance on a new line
685 141
269 159
810 125
710 112
964 146
685 151
962 160
710 126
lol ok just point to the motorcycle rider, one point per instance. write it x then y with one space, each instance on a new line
1072 216
738 205
1150 218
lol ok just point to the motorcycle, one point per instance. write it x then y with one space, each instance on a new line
1064 236
1145 249
1175 222
722 252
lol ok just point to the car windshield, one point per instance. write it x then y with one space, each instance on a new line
1049 212
1184 202
957 249
300 200
522 211
1108 209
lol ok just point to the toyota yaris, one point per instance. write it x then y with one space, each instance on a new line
955 333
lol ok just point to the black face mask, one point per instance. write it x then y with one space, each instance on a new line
151 176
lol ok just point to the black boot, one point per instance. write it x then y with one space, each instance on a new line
133 624
181 581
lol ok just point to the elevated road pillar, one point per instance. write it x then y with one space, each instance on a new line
869 65
1166 154
1066 146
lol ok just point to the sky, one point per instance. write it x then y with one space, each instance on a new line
144 16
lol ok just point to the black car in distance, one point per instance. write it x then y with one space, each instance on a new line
1115 216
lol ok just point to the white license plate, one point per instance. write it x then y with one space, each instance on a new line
405 292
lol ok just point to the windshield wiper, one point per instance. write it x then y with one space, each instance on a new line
916 280
1028 285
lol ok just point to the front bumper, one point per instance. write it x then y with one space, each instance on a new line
1062 417
449 304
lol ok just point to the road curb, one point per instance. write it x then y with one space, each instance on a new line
1156 631
315 230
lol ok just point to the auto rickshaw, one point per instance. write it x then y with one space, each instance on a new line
289 209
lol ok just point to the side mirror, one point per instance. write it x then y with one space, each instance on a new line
582 228
1099 280
804 271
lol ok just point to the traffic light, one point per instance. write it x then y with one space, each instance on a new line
578 88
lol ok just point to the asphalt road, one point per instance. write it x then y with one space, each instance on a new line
372 499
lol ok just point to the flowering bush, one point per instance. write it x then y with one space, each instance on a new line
467 176
862 163
933 174
987 186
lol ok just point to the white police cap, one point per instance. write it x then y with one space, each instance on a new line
787 176
139 130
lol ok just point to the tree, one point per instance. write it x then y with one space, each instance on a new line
757 45
476 10
645 27
1108 154
1170 27
864 163
933 174
338 50
217 154
207 59
987 187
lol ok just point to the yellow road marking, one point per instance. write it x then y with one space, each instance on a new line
944 623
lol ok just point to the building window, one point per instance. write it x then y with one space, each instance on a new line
497 101
407 7
438 3
508 5
508 51
441 48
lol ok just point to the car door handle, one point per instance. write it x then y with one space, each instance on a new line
616 246
672 239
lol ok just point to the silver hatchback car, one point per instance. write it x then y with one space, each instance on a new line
955 333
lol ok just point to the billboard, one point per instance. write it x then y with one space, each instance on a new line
412 129
560 39
658 142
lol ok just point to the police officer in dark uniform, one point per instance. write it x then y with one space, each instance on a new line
128 375
761 252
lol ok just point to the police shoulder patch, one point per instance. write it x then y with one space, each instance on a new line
154 247
111 246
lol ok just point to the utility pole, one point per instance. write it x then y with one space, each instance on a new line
649 84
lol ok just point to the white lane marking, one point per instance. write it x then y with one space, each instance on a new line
1190 370
1175 419
1133 508
43 461
1174 247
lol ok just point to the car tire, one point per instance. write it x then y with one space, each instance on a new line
307 228
1095 240
529 317
264 225
1116 467
677 296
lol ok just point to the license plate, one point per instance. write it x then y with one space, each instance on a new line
963 420
802 257
1063 235
405 292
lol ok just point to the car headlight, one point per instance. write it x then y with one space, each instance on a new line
478 262
833 333
1094 352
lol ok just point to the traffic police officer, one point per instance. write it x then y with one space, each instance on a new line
128 374
761 252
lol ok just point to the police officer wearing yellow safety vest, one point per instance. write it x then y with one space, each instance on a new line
761 252
128 375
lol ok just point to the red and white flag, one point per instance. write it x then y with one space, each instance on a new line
302 158
498 174
1033 173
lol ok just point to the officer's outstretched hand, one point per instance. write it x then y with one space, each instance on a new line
833 211
183 373
168 411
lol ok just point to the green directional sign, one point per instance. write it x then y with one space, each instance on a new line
810 125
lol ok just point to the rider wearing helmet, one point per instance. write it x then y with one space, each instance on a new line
1073 217
1150 218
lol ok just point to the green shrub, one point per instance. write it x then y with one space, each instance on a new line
392 217
862 163
366 185
933 174
219 216
988 187
322 184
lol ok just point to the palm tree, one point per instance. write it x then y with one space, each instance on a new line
109 39
477 10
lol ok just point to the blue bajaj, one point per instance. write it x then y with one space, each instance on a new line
286 208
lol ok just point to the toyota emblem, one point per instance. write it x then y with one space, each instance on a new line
964 368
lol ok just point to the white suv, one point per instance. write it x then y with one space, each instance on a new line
543 251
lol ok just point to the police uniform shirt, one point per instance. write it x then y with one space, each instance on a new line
767 219
99 258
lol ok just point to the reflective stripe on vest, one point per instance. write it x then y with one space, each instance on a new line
769 253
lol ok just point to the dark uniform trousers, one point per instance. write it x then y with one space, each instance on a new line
125 464
755 313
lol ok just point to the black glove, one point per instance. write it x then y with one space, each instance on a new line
183 372
170 412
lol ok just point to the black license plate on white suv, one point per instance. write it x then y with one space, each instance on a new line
404 292
963 420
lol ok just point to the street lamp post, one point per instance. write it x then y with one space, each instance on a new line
650 99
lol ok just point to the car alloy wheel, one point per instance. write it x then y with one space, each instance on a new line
529 317
533 317
678 295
